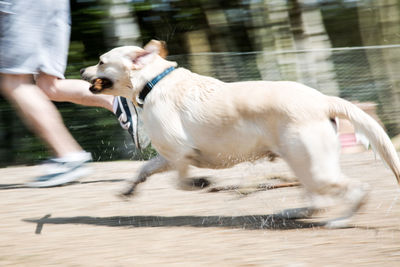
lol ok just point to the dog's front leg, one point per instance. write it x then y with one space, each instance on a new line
182 169
155 165
186 183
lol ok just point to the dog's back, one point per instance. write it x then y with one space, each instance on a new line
219 124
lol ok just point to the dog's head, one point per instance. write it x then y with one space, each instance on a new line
123 71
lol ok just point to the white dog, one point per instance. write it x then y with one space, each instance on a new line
201 121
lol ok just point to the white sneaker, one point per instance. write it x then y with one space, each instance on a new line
59 171
129 119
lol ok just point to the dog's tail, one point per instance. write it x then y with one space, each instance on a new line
366 125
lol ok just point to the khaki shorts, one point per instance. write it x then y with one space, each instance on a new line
34 36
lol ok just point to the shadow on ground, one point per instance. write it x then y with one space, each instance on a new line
250 222
24 186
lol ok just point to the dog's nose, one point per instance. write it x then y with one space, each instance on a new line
82 70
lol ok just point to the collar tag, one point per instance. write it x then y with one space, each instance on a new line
139 101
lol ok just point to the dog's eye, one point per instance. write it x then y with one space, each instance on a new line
101 63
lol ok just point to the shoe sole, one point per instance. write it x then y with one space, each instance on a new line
63 178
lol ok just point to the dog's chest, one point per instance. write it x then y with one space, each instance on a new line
163 126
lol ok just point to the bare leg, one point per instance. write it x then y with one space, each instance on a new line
77 91
71 90
155 165
39 113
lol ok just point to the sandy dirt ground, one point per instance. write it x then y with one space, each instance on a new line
88 224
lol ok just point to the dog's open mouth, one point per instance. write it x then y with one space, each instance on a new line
99 84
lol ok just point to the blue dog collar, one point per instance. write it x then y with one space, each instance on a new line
147 88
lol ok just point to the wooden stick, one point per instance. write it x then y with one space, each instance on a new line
260 187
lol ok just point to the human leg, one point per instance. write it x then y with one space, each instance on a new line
39 113
77 91
42 117
35 40
72 90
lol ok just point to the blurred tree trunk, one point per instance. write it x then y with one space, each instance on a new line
316 68
281 27
219 34
121 27
221 39
271 33
197 42
379 24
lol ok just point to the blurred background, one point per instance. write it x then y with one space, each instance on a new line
348 48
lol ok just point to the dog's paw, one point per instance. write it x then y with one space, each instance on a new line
201 182
297 213
127 193
340 223
194 183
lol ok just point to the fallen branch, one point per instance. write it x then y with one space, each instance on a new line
260 187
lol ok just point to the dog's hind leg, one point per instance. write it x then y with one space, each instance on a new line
313 155
355 196
153 166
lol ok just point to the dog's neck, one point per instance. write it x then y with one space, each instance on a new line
148 74
149 86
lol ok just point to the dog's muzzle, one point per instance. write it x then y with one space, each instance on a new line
99 84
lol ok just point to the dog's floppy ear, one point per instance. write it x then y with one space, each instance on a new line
159 47
147 55
141 59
